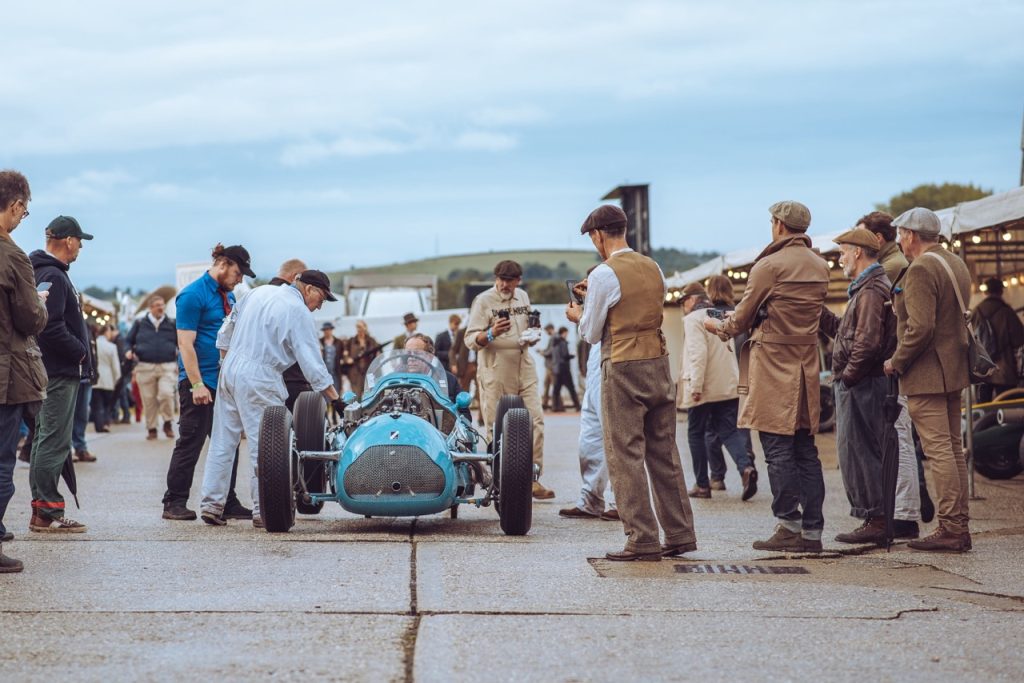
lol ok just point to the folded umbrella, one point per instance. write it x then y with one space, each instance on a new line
67 473
891 409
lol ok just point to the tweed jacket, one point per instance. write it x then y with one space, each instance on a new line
22 316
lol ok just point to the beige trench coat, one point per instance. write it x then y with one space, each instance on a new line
791 282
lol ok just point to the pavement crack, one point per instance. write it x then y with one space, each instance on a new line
987 594
413 630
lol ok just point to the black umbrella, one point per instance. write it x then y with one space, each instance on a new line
67 473
890 457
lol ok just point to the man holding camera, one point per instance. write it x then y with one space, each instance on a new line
498 319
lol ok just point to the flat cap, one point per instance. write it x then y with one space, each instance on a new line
318 278
795 215
694 289
508 270
919 219
604 217
858 237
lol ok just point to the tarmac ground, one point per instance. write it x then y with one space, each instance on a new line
341 597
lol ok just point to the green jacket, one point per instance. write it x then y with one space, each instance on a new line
22 375
893 261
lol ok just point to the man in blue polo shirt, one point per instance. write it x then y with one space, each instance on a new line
201 308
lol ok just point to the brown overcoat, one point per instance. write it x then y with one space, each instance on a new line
931 336
790 281
22 317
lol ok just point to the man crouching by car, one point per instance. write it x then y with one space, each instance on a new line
864 337
268 331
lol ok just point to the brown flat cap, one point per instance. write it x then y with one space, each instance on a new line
604 217
795 215
508 270
694 288
858 237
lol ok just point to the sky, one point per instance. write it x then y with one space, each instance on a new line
357 134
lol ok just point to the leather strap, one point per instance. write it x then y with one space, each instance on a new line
956 288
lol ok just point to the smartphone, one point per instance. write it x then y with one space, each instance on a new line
43 286
716 314
504 314
573 296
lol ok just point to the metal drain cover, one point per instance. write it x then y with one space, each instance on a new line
736 569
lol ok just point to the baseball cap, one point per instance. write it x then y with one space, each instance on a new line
604 217
318 278
66 226
919 219
795 215
858 237
240 256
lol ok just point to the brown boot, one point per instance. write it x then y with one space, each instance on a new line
783 539
699 492
84 456
871 531
942 540
168 431
151 435
9 565
541 492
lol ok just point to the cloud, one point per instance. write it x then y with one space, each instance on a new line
87 187
308 152
486 141
520 115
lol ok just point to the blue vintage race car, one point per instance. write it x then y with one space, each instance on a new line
403 450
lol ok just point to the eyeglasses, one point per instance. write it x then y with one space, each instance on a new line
24 214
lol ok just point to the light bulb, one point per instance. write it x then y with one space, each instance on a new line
956 244
976 239
983 287
1007 236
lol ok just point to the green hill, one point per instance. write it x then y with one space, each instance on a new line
443 266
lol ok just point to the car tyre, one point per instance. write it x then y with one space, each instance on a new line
505 403
276 468
516 465
310 425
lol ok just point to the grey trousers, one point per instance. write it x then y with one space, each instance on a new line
638 411
859 429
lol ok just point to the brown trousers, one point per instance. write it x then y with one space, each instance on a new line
638 413
157 383
937 419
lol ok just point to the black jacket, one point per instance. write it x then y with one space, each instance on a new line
560 356
65 339
443 346
152 345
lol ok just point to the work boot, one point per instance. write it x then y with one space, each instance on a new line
903 528
678 549
718 484
577 513
178 511
871 531
82 455
749 483
168 431
942 540
237 511
540 492
151 435
9 565
699 492
784 539
630 556
55 525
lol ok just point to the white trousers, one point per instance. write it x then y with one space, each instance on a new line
908 490
239 407
593 468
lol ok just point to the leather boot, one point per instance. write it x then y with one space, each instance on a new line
871 531
782 539
9 565
943 540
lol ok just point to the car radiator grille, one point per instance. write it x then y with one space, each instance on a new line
394 471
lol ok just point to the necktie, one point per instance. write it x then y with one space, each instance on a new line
224 301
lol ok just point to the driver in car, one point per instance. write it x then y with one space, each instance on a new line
422 342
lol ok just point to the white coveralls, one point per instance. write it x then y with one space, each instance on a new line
268 331
504 366
593 466
908 490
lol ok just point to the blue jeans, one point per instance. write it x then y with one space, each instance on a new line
794 473
718 417
81 417
10 432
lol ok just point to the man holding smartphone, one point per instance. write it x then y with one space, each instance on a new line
497 319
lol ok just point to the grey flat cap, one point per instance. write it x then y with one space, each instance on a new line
795 215
919 219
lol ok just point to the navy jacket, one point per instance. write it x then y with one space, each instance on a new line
65 339
152 345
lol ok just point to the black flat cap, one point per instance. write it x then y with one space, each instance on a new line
318 278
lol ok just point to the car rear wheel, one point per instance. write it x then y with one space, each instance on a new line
516 466
310 424
276 471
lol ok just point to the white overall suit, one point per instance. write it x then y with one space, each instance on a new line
593 467
268 331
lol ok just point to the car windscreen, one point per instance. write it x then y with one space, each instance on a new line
404 361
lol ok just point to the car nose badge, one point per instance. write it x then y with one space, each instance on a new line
394 435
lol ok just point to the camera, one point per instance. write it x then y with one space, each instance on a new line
716 314
533 319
